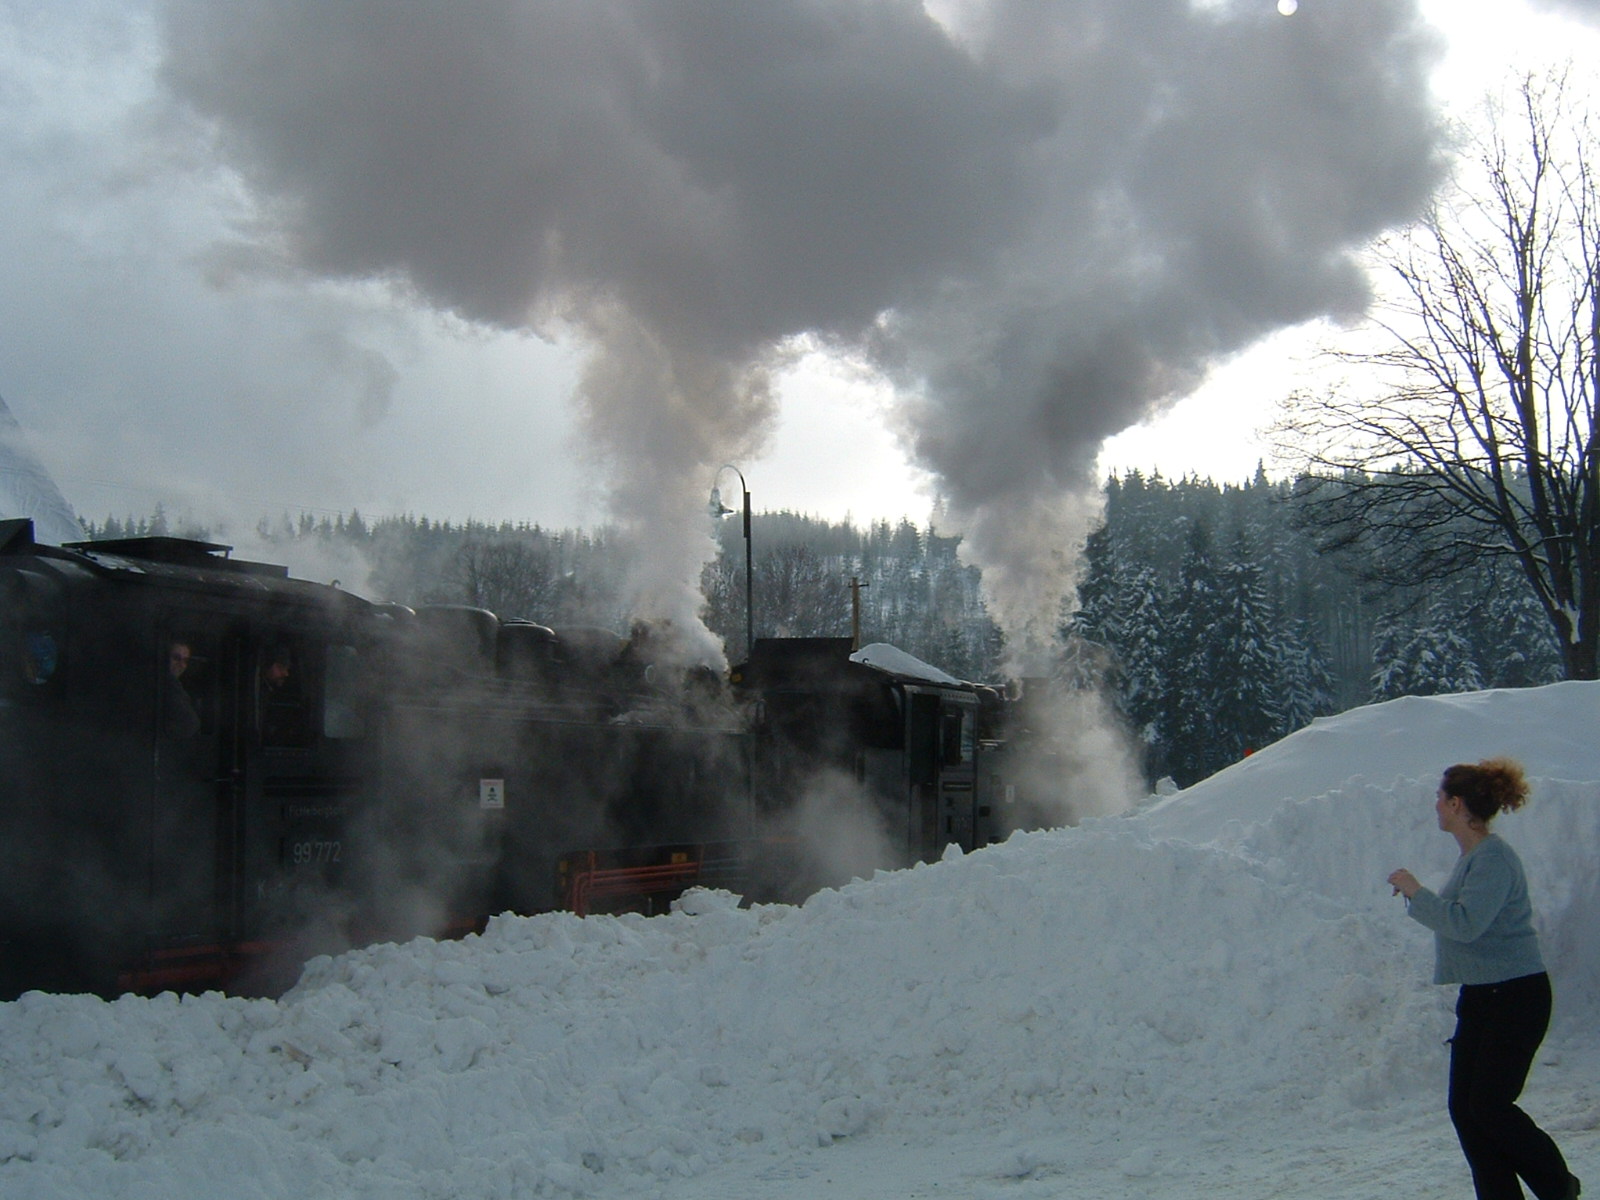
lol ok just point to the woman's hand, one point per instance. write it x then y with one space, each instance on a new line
1404 883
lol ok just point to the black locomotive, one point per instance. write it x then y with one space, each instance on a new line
210 771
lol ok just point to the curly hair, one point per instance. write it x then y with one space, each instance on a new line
1487 788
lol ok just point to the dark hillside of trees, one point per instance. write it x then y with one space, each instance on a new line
1229 629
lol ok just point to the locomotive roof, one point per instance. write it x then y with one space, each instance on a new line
182 563
894 661
182 552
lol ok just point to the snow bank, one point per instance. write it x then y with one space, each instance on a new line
1550 730
1215 962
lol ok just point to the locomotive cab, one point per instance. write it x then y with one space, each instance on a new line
180 762
877 736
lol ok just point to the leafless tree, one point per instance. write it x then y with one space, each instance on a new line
800 593
504 576
1481 443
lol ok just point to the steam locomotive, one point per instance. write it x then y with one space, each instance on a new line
210 771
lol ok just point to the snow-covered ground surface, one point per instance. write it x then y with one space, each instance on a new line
1214 996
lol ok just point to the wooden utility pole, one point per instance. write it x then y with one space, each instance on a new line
855 611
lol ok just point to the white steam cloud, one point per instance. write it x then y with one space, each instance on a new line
1042 218
1588 10
1074 762
838 831
27 489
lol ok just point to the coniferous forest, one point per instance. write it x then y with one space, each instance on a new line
1212 615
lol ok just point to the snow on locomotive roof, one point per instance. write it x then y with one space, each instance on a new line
895 661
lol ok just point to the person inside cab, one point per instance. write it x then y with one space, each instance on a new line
180 717
281 700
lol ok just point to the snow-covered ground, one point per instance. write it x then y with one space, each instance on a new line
1215 996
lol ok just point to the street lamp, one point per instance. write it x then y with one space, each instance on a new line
720 510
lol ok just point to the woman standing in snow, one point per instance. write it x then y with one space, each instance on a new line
1484 940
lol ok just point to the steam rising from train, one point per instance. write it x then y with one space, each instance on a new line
1042 221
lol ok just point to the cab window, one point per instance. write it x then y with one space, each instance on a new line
341 710
187 672
956 737
40 657
283 693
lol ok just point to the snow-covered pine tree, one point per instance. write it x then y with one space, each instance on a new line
1428 656
1304 676
1141 650
1243 656
1192 695
1515 641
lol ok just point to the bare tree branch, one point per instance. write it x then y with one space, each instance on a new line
1482 442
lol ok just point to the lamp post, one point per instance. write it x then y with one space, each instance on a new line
720 510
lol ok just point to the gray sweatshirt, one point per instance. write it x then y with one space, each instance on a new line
1482 920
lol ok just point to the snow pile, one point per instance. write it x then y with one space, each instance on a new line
1550 730
1121 1008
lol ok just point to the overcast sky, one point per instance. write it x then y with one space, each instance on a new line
531 260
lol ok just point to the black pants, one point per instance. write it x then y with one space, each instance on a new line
1498 1030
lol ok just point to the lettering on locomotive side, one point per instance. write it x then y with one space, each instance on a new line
315 853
